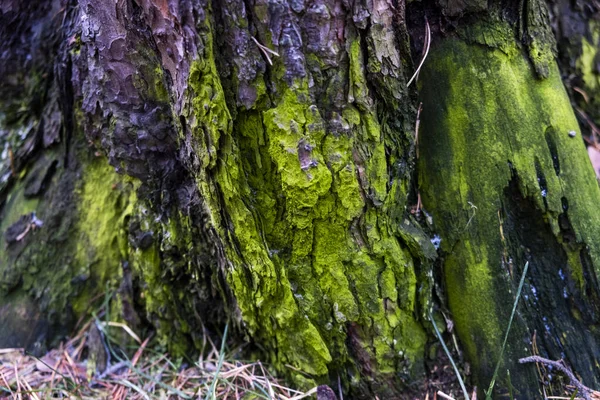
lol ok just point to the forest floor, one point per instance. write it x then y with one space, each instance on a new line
145 371
70 371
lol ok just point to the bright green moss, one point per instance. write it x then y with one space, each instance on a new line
208 101
295 133
106 200
160 88
293 196
358 90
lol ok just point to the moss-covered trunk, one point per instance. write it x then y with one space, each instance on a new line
253 162
504 173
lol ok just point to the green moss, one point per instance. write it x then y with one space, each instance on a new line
105 202
494 34
358 91
375 159
498 34
16 206
487 122
585 63
294 131
78 249
167 279
160 88
208 101
334 276
310 255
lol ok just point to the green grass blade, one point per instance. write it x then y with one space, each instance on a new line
213 385
136 388
574 394
510 386
456 371
488 395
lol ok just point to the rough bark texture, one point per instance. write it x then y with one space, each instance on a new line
159 150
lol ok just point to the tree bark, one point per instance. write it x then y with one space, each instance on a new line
254 162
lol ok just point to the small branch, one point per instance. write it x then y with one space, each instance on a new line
417 124
584 390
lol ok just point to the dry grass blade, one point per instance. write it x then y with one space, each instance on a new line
5 382
305 395
14 350
150 374
444 395
427 45
124 327
266 51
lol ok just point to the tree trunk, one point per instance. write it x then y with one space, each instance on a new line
253 162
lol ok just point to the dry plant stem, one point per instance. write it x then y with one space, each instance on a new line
444 395
584 390
113 368
5 382
266 51
417 129
18 381
583 93
427 44
14 350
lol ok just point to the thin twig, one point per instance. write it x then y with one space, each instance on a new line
417 129
474 208
584 390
